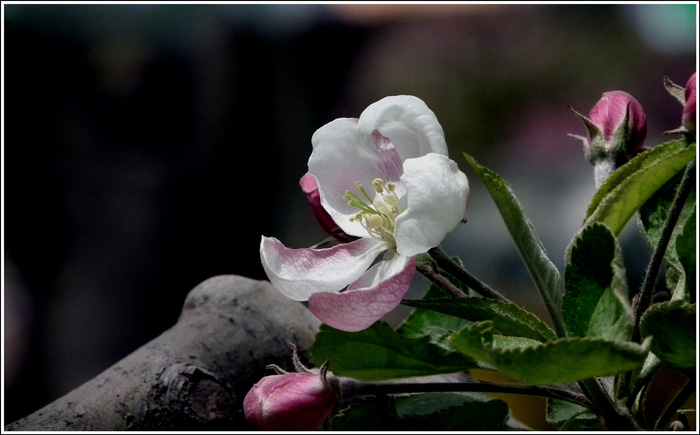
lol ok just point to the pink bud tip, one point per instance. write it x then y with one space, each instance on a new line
293 401
609 113
689 110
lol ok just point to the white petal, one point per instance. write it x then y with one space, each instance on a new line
436 198
343 155
299 273
367 300
408 122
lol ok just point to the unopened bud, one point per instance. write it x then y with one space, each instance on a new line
291 401
688 99
688 119
617 128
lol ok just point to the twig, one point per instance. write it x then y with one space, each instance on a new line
657 257
449 266
430 272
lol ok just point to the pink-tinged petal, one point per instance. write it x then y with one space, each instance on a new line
342 155
408 122
690 86
299 273
293 401
436 198
375 294
310 188
389 161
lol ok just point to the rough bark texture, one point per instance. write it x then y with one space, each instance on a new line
195 375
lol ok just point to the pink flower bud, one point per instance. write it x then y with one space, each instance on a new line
292 401
310 189
689 112
617 128
609 115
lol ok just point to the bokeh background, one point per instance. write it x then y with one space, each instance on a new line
148 147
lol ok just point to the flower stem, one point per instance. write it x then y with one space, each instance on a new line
449 266
674 212
352 386
616 415
431 272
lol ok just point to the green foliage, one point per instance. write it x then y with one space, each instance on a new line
595 303
422 319
593 317
686 252
672 326
543 271
570 416
554 362
680 254
372 413
379 352
631 185
507 318
424 412
652 217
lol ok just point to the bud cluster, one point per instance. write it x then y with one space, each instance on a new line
617 127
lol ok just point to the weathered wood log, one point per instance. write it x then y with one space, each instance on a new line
195 375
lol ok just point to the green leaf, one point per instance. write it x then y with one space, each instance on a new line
423 412
560 361
374 413
595 302
544 273
420 320
570 416
508 318
672 324
451 412
379 352
653 214
631 185
640 161
686 252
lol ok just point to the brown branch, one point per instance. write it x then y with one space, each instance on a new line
195 375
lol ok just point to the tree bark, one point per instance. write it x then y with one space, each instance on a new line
195 375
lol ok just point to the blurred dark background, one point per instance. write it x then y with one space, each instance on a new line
148 147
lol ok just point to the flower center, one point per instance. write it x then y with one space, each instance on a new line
376 215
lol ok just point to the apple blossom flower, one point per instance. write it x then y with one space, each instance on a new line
616 130
290 401
385 179
689 111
